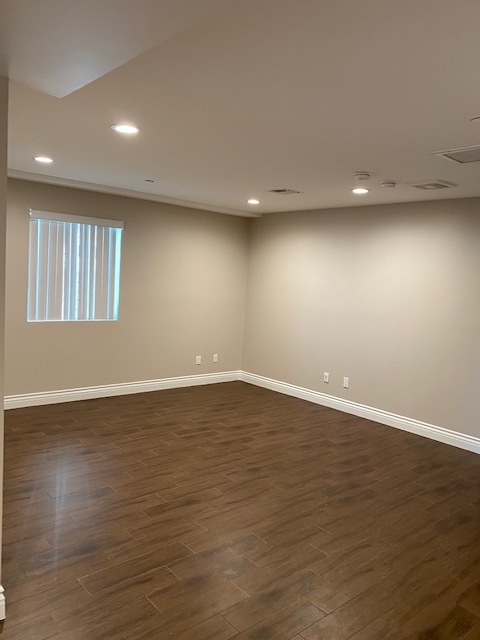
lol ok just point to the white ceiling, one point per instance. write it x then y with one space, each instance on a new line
236 97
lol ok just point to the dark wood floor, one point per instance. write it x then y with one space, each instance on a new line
229 511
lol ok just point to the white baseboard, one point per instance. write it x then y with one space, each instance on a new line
461 440
105 391
431 431
2 603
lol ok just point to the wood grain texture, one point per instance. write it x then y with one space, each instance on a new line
229 511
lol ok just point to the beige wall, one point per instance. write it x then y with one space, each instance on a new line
182 294
3 210
388 296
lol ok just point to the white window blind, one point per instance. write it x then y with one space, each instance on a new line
74 267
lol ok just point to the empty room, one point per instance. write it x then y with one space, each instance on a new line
240 301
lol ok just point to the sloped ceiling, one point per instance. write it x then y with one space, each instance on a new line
57 46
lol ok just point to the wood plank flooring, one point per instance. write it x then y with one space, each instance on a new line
229 511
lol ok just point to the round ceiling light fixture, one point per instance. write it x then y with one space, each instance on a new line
361 176
43 159
360 190
129 129
253 201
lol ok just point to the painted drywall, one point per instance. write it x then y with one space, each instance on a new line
182 294
387 295
3 213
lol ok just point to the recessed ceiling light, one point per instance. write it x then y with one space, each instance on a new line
360 190
253 201
129 129
43 159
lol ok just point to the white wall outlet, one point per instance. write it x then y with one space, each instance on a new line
215 357
326 376
198 360
346 383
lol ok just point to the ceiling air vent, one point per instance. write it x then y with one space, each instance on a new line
285 192
462 155
432 185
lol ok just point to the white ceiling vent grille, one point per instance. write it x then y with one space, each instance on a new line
285 192
433 185
462 155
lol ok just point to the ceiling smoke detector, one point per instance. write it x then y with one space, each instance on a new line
285 192
362 176
389 184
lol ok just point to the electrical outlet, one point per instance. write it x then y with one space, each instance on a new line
326 376
346 383
215 357
198 360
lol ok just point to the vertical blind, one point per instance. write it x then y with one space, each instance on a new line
74 267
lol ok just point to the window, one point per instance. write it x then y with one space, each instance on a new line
74 268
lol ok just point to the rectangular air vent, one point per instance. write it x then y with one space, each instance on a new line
432 185
462 155
285 192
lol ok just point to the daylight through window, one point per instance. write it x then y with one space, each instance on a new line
74 267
